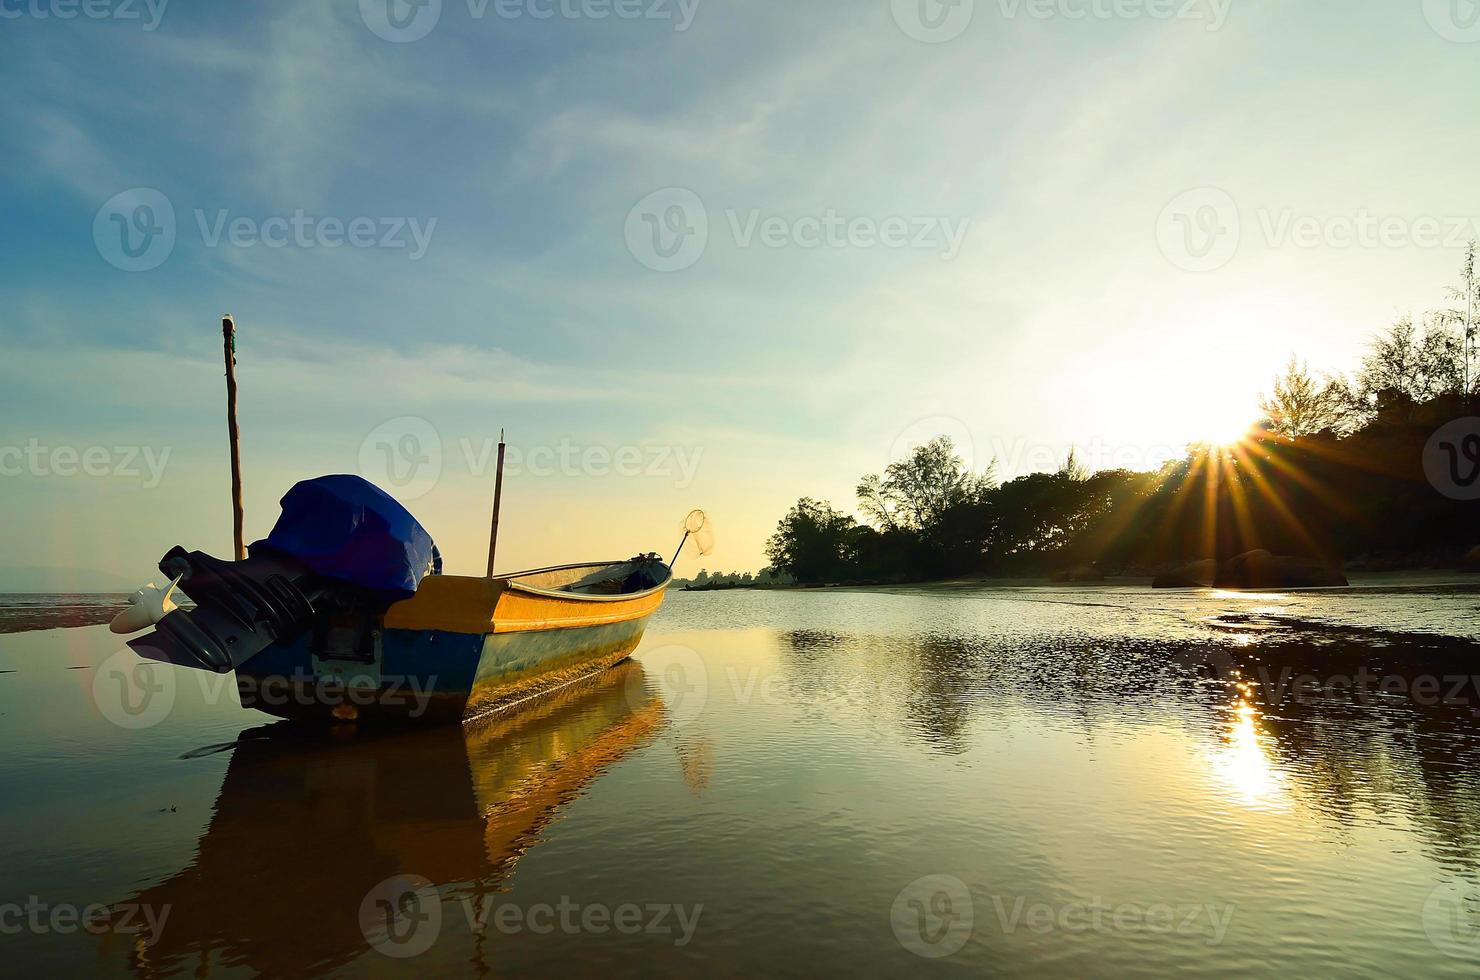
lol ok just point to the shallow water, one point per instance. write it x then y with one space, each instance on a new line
1025 781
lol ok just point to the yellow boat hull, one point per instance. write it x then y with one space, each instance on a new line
461 648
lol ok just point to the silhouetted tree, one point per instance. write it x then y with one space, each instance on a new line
810 543
1334 471
916 491
1072 469
1405 367
1301 405
1462 316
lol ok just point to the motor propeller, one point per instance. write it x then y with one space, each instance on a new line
145 608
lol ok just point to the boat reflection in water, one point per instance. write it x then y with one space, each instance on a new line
307 825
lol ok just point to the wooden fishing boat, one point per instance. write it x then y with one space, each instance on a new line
462 646
343 612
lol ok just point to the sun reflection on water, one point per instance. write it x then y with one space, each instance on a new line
1244 764
1264 596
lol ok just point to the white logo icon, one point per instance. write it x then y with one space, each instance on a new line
681 679
1451 459
401 916
403 457
1451 920
668 230
933 917
924 430
401 21
135 229
933 21
132 692
1454 20
1199 230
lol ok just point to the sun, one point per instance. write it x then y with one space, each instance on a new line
1220 426
1228 435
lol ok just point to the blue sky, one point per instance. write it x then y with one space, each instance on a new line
1035 166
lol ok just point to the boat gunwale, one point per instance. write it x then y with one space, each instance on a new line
509 583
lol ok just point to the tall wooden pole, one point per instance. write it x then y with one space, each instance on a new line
233 434
498 497
1469 319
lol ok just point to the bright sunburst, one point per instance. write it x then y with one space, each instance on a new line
1221 426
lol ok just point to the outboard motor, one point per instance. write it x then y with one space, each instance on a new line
342 549
240 608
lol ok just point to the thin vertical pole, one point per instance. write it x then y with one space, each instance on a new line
233 434
1469 319
498 498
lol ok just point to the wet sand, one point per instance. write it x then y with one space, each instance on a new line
22 612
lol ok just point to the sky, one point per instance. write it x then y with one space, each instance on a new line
686 254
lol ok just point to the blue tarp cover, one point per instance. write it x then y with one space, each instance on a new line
347 528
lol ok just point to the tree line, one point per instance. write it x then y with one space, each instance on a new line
707 581
1332 470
